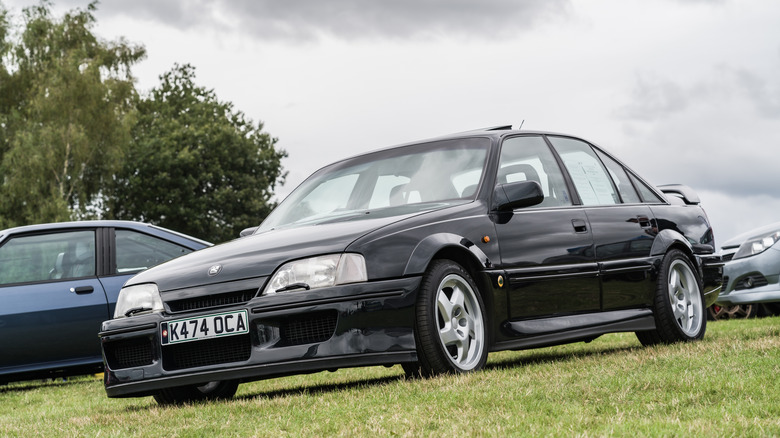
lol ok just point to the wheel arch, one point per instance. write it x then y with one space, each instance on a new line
448 246
667 240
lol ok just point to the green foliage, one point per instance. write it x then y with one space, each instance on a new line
4 80
69 108
195 165
77 142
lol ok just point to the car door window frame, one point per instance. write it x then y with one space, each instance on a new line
572 195
616 197
98 242
642 189
112 259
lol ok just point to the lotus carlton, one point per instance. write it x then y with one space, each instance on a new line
429 255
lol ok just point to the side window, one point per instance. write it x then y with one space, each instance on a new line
648 196
529 158
46 257
587 172
620 178
138 251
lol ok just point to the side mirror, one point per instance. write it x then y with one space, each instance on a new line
517 195
247 232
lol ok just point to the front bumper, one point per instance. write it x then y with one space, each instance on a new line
289 333
754 279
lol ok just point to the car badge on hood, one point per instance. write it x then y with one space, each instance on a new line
214 270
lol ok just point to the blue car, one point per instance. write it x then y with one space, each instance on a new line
58 282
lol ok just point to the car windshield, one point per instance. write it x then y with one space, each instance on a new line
393 182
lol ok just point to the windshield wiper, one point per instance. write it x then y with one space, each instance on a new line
135 310
294 286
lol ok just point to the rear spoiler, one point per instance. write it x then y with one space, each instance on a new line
681 191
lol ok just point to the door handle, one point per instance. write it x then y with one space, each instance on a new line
81 290
580 226
644 221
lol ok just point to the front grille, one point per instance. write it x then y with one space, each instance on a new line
128 354
310 329
209 301
207 352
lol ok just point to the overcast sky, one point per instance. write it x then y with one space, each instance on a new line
683 91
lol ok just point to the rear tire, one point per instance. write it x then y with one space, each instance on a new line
451 326
218 390
678 307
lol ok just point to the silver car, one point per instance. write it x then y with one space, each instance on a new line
751 275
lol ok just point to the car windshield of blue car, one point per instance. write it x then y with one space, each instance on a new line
393 182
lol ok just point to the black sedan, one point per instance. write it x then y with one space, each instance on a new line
59 281
428 255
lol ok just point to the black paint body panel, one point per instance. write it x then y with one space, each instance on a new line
547 276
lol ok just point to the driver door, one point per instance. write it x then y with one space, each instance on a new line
52 301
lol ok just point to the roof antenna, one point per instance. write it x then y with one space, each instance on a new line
521 125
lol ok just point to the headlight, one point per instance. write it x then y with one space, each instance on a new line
317 272
757 245
142 298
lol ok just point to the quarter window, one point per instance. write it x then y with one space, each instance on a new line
621 180
46 257
648 196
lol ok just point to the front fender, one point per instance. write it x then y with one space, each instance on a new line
424 252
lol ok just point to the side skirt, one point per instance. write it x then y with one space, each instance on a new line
562 329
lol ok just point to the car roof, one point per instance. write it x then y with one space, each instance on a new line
495 133
141 226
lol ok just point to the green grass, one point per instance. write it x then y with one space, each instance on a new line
726 385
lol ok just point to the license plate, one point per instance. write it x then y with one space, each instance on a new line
204 327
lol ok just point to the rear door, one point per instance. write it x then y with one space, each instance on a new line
622 226
51 302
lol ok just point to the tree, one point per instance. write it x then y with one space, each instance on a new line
195 164
68 108
5 91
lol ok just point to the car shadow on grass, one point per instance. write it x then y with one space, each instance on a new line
32 385
537 357
517 362
322 388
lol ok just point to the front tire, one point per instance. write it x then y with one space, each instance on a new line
218 390
680 315
451 326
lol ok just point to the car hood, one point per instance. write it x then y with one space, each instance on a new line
258 255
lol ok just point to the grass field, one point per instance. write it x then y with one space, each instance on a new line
726 385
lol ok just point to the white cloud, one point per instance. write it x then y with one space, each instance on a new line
682 91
